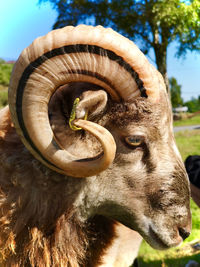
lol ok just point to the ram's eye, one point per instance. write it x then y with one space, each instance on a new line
134 140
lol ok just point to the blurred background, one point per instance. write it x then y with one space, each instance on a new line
167 31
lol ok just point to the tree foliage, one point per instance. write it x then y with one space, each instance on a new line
175 90
176 98
193 105
5 72
3 98
151 23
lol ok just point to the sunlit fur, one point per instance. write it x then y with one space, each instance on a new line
50 220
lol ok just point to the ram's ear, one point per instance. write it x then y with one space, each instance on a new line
92 103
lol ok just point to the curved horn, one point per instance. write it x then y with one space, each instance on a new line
87 54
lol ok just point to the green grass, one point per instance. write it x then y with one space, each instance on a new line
189 144
191 121
173 260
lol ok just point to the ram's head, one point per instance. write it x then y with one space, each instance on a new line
87 103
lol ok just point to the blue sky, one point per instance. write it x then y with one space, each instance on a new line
21 21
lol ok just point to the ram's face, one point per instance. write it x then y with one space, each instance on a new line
125 151
148 180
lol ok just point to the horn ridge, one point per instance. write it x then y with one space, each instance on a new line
78 48
74 54
85 48
19 111
96 75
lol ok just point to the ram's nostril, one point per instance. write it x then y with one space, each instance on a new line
183 233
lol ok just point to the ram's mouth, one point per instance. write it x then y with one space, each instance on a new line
158 243
151 236
157 240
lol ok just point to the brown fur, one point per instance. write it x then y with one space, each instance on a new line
41 224
36 221
36 226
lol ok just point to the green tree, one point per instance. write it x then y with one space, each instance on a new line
5 72
193 105
152 23
175 90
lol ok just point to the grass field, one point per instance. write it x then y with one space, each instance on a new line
191 121
189 144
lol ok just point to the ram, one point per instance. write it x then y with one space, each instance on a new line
88 155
